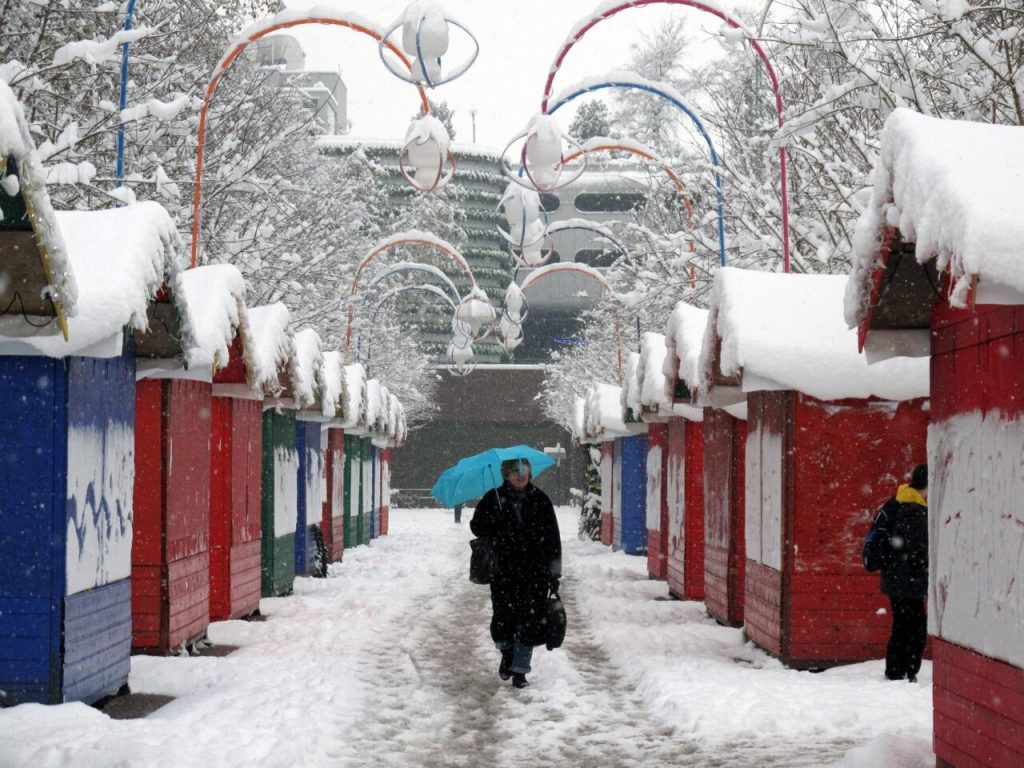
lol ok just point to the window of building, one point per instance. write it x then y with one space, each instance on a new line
550 202
608 202
595 257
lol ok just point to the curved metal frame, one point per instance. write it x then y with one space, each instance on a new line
534 277
415 267
651 88
732 22
387 246
386 297
222 67
456 74
442 178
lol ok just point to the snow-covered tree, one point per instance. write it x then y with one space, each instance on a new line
593 118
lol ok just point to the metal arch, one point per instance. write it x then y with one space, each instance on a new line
386 246
693 117
406 267
392 293
539 274
732 22
223 66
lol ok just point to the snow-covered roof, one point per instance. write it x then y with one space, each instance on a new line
308 367
602 416
333 377
117 276
784 331
629 397
653 385
953 188
354 413
376 412
273 345
684 339
30 181
212 298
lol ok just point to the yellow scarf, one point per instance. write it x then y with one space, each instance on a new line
907 495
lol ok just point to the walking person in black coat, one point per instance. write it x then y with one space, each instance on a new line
902 525
520 519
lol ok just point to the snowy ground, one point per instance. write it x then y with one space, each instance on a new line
388 663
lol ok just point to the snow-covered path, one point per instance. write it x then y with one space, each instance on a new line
389 663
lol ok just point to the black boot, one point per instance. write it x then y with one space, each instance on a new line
504 669
519 680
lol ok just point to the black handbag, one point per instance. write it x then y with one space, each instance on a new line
481 561
555 622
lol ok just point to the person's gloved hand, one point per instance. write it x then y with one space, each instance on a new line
553 584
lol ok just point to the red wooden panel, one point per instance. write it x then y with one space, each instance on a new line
245 579
187 468
979 708
657 541
247 470
607 528
234 372
147 496
674 492
693 574
220 507
657 558
334 536
147 606
716 582
762 606
188 599
724 442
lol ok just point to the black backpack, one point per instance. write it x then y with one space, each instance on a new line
877 551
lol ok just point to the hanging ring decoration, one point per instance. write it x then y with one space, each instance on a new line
440 180
524 168
420 75
521 241
523 313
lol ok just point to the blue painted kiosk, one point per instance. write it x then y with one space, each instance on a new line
67 430
631 468
311 481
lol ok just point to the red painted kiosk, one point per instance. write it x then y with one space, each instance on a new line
725 438
684 460
938 270
236 440
189 337
828 439
333 404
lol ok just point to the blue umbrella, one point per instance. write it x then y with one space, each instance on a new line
474 475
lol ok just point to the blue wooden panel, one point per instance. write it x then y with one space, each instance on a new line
634 495
301 534
33 428
97 641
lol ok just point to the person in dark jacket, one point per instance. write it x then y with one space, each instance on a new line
904 523
528 565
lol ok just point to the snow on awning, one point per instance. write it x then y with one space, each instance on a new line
602 417
211 300
684 339
353 416
117 274
331 402
952 191
36 262
776 331
652 384
273 348
308 369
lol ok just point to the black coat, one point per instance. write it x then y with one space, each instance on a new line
905 570
528 555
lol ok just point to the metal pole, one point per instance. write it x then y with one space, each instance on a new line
124 98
